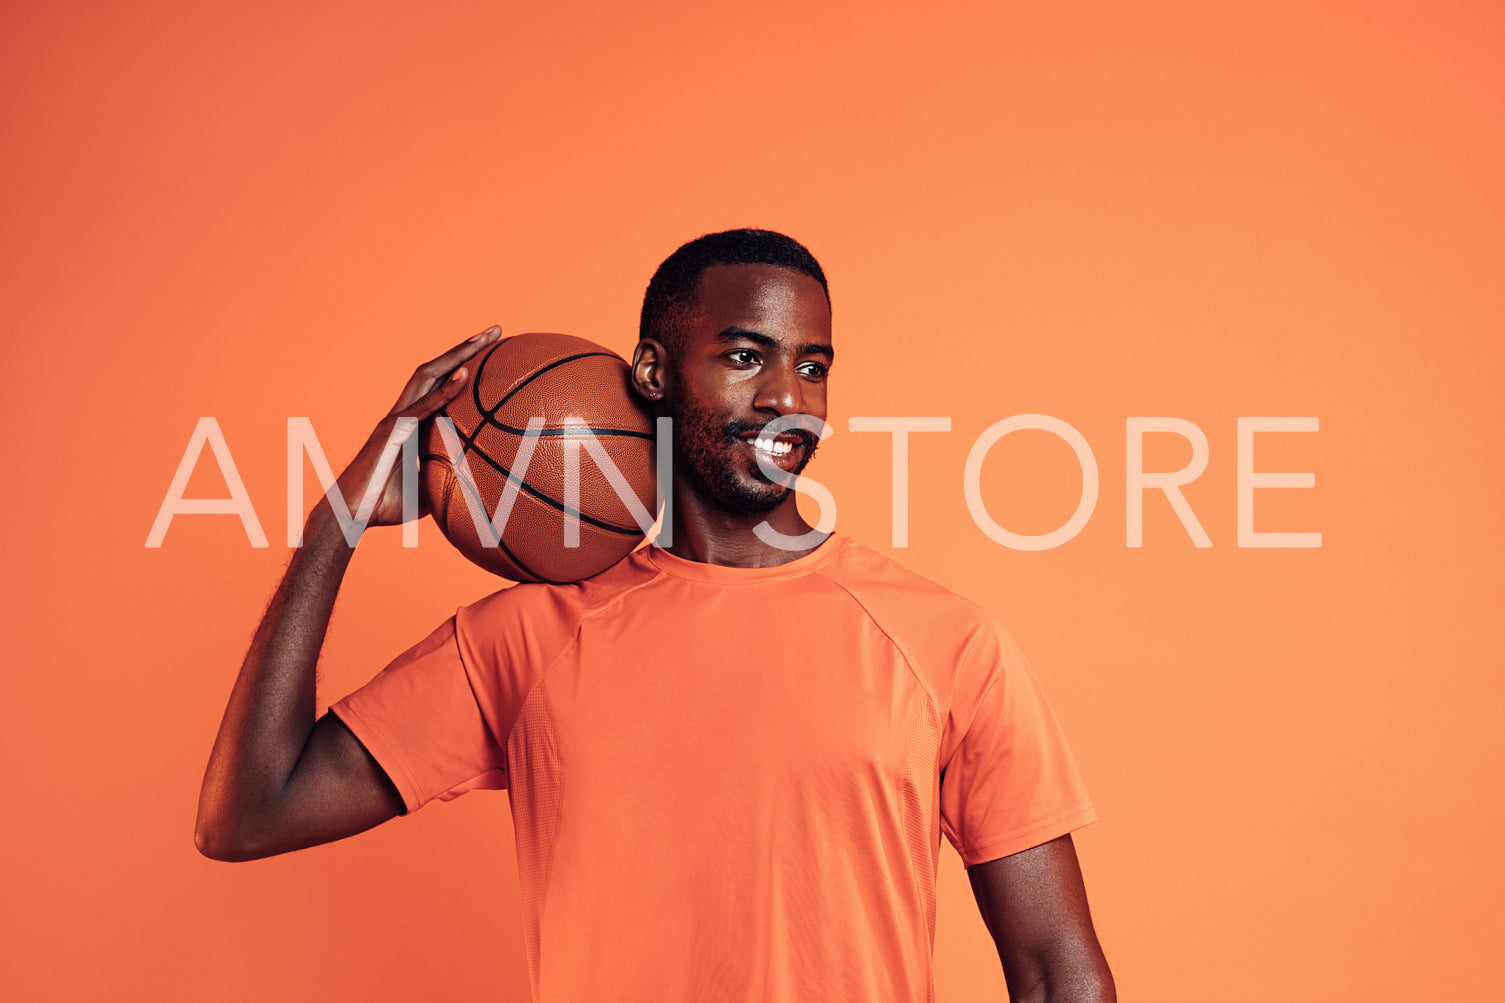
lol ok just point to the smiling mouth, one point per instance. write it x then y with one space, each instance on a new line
781 451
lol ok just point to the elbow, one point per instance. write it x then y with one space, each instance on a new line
214 843
1098 985
1078 977
222 838
1089 983
229 826
1102 990
210 847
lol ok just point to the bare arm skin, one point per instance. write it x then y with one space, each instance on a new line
1035 906
278 780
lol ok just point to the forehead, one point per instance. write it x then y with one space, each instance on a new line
778 302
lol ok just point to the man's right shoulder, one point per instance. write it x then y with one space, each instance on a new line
564 603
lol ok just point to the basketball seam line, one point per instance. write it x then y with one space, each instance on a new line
488 417
565 430
540 495
451 484
475 383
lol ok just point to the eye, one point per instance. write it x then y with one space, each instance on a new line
743 357
814 370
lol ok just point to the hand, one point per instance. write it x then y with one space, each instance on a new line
432 385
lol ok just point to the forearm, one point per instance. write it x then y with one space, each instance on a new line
272 707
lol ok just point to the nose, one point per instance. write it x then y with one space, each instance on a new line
781 392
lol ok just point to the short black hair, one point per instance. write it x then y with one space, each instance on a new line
671 291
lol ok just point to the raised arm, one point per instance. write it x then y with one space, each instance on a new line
1035 906
278 780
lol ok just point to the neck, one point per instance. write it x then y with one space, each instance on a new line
709 534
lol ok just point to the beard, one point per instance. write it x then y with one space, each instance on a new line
709 454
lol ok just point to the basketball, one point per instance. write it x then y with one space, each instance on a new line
588 454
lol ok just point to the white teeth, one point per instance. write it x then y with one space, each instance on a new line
775 448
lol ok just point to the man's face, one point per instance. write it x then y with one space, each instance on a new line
757 347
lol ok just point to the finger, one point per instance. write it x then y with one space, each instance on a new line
429 375
433 402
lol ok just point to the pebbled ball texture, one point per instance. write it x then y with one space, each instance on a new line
563 380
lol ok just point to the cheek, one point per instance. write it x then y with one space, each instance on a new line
815 400
725 396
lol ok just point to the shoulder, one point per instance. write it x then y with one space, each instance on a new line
895 595
955 647
536 618
580 597
959 650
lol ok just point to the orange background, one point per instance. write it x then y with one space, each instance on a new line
1084 210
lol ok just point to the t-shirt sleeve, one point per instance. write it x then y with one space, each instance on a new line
419 718
1010 782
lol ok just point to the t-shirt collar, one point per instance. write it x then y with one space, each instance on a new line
724 575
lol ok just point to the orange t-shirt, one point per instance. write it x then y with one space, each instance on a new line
730 783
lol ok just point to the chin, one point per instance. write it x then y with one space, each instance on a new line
738 494
752 492
737 490
759 504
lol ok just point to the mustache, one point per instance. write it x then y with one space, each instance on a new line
737 429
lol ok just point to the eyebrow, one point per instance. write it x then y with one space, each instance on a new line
735 334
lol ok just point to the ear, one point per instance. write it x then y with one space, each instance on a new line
650 370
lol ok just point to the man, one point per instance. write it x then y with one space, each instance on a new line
729 761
